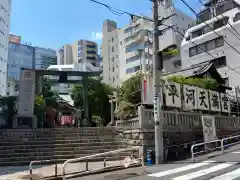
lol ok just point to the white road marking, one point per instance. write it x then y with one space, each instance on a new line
236 152
181 169
204 171
228 176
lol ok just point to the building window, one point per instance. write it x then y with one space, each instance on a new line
219 62
192 51
220 23
206 46
226 80
112 59
112 48
237 17
133 69
113 69
219 42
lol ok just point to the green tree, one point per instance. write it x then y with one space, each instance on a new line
8 106
98 99
129 97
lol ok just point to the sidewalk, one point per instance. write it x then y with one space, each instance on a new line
22 172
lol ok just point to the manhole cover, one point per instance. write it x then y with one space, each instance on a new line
120 176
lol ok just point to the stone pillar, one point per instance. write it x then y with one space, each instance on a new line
85 121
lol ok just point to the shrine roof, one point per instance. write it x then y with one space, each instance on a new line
193 70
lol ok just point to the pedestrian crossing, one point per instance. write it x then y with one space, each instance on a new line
210 170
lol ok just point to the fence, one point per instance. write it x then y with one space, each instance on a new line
176 120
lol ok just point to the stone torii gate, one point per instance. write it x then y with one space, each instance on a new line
31 84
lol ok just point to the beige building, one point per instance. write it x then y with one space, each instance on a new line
128 50
80 51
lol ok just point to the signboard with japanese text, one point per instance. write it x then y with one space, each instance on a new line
190 97
202 99
225 103
209 128
215 102
26 93
173 95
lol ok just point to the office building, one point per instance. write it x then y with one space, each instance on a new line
222 48
5 13
19 56
44 58
25 56
128 50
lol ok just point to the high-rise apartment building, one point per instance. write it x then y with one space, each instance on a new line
80 51
128 50
5 12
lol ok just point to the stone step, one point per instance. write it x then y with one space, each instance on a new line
54 153
59 148
27 162
50 141
8 136
51 157
59 145
59 138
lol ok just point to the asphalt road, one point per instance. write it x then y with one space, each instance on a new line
222 167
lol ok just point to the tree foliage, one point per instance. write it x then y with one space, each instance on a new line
98 99
205 83
129 96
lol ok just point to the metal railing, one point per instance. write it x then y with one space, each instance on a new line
222 145
204 144
87 158
55 162
229 138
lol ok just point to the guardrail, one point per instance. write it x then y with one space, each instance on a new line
204 144
228 138
43 162
86 158
222 145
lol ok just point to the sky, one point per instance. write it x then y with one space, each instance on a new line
53 23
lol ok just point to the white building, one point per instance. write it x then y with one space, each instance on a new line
202 44
5 12
128 50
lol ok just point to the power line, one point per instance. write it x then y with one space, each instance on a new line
215 33
209 26
119 11
223 17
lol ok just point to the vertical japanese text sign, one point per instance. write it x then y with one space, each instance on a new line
225 103
26 93
173 95
190 97
215 102
202 99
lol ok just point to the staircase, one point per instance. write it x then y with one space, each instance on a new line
20 147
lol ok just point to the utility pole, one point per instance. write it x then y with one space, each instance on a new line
157 69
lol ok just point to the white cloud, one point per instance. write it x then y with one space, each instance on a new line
96 35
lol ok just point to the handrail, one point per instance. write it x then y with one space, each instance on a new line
41 162
203 143
228 138
94 156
